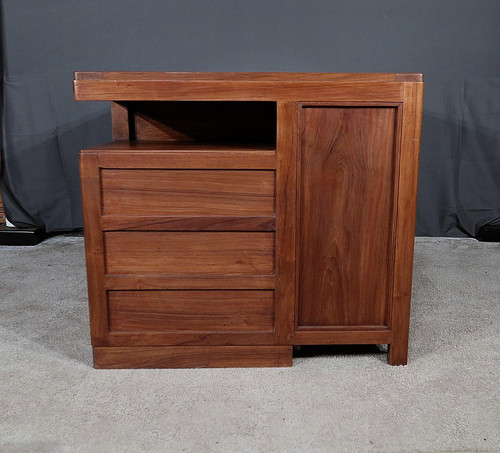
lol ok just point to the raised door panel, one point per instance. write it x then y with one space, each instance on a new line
346 199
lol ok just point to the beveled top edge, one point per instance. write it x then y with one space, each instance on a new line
246 76
175 146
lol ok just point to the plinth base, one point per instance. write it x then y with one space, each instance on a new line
21 236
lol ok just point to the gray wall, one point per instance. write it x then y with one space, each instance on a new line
455 43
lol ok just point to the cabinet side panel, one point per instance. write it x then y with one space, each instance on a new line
94 247
120 121
407 201
346 212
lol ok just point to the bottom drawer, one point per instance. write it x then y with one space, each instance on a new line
162 311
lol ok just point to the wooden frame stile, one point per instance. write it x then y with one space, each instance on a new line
94 248
297 195
120 121
394 223
405 228
286 227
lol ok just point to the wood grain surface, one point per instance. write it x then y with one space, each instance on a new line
352 77
136 222
405 225
140 147
94 248
120 122
344 335
189 281
134 252
171 86
192 356
346 209
158 155
193 338
188 192
235 90
150 311
286 211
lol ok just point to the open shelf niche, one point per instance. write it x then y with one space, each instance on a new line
206 122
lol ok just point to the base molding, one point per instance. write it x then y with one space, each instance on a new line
489 233
21 236
109 357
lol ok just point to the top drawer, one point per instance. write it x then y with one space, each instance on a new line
188 192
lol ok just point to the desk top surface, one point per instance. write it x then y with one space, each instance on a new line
250 86
248 76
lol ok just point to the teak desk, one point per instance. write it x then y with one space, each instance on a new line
238 214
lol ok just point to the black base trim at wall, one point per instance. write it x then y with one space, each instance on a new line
21 236
489 233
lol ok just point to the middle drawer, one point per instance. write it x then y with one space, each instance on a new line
169 252
188 192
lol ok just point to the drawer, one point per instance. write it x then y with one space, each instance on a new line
223 253
188 192
164 311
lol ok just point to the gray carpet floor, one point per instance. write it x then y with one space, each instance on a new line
446 399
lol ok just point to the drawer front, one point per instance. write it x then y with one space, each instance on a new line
188 192
168 311
222 253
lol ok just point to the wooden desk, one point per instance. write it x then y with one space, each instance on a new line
238 214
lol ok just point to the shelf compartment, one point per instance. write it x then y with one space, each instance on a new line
195 121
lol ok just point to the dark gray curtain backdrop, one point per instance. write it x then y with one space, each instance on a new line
455 43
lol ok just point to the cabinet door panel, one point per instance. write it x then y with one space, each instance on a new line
346 198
